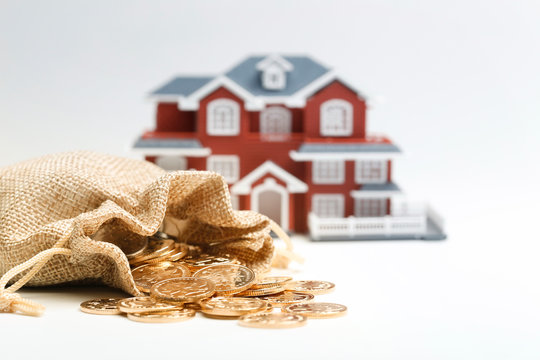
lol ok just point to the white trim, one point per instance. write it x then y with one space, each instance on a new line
373 194
211 120
274 59
192 101
192 152
272 185
311 156
339 197
383 176
294 185
316 172
327 120
254 103
211 162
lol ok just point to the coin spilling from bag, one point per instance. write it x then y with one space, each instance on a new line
180 280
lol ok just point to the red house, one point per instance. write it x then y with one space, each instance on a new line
289 136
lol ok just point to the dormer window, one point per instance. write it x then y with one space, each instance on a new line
274 70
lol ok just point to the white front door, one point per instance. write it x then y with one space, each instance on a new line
272 200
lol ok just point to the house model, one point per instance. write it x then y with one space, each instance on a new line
289 137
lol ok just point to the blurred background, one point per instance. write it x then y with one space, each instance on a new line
455 84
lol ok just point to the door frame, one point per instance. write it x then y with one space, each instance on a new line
271 184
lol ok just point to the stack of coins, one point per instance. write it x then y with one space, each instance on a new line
180 280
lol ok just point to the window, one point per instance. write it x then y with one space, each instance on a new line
370 207
171 163
328 205
223 117
273 77
328 172
370 171
226 165
275 123
336 118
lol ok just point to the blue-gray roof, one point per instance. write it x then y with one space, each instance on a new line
347 148
380 187
182 85
305 71
168 143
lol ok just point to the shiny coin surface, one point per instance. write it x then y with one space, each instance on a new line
154 249
135 247
316 309
143 304
287 298
270 281
178 252
148 275
232 306
261 292
197 262
101 307
163 317
229 278
314 287
184 289
273 320
160 235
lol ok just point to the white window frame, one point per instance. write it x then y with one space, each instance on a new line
316 203
213 161
327 120
177 162
318 169
212 120
273 77
361 164
269 114
360 209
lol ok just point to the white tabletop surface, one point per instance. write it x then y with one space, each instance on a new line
406 299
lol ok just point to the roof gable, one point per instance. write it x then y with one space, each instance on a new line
304 71
294 185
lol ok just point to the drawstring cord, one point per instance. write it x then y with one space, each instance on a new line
283 257
12 302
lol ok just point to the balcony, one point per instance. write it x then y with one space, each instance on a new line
408 221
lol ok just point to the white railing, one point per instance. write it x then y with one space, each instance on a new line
351 227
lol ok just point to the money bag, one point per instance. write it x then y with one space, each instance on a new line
52 207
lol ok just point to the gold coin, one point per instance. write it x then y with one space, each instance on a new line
270 281
229 278
135 247
262 291
143 304
101 307
232 306
195 306
314 287
184 289
178 252
160 235
287 298
154 249
316 310
147 275
163 317
273 321
197 262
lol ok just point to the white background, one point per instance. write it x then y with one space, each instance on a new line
455 84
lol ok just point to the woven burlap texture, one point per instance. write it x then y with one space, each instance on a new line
73 195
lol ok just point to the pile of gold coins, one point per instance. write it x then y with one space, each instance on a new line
180 280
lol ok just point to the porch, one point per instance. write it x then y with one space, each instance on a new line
407 221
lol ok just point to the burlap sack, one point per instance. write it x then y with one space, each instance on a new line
51 207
